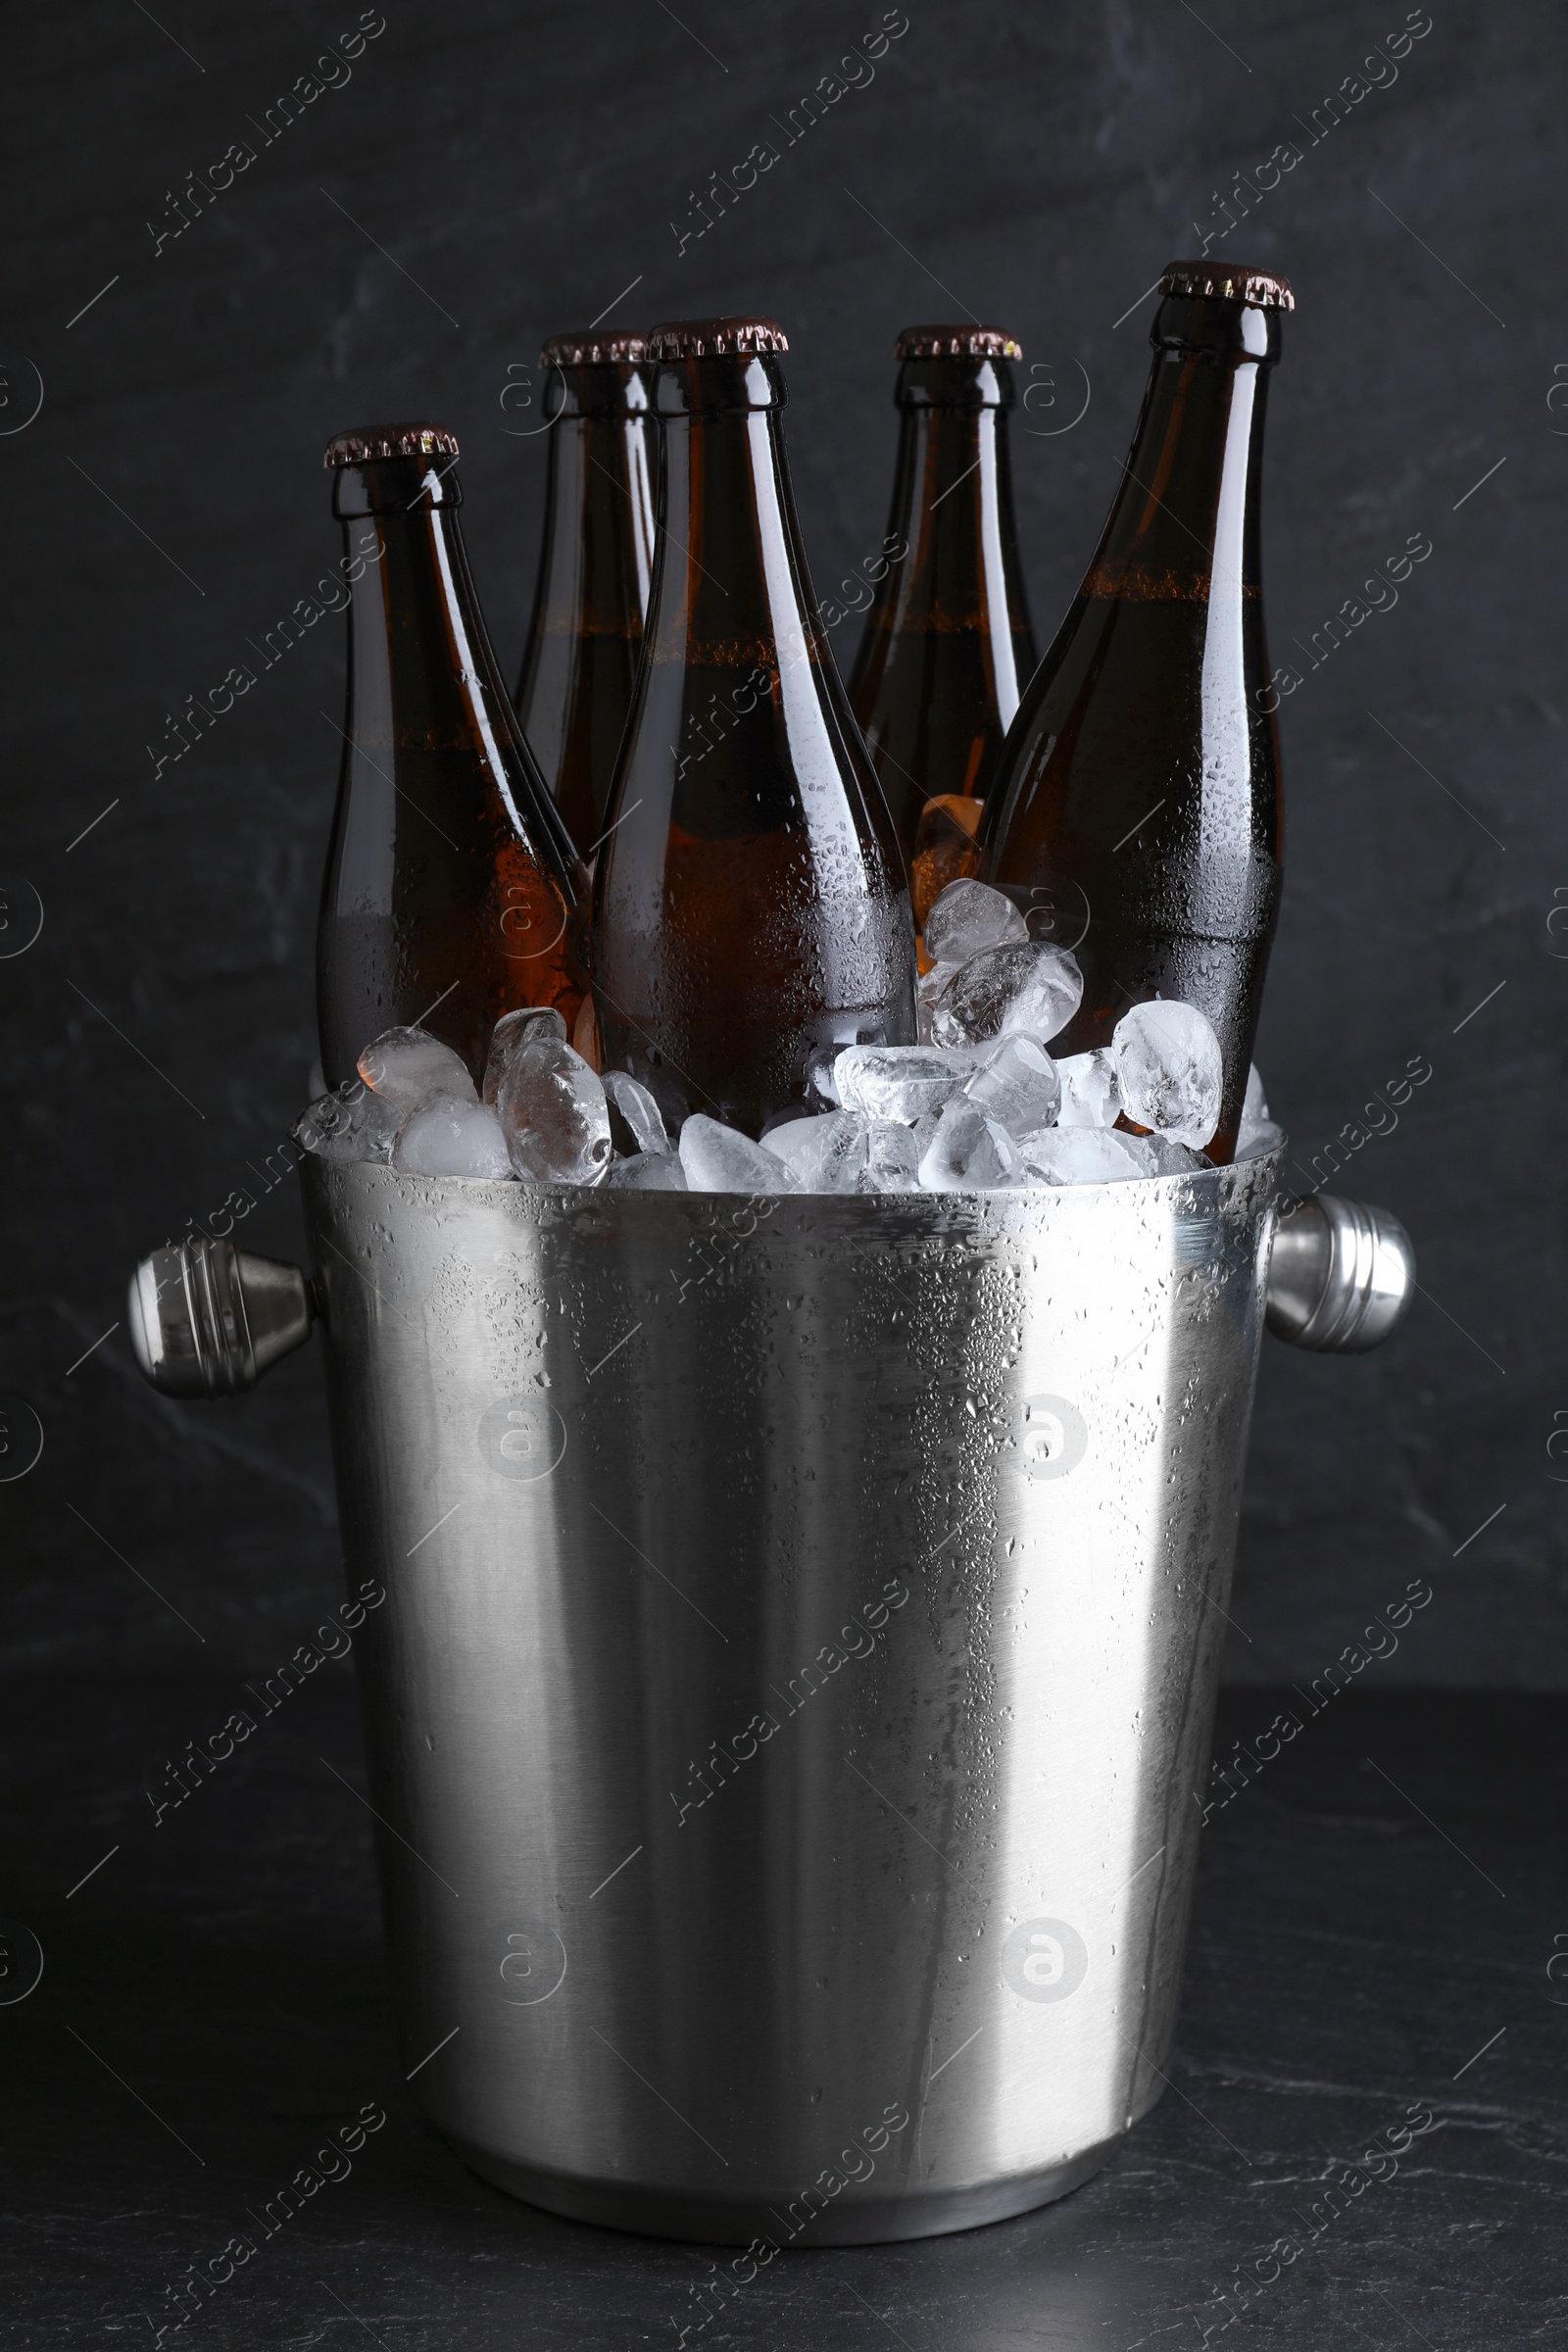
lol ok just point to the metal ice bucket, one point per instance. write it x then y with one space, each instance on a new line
788 1715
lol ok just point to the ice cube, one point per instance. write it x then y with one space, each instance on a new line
925 1128
833 1160
1166 1156
636 1106
410 1067
1031 986
1017 1086
720 1160
927 989
327 1124
453 1138
820 1073
1255 1143
891 1159
899 1082
970 1153
794 1140
647 1172
553 1113
1169 1062
1258 1131
530 1020
353 1124
1091 1093
1084 1155
967 917
851 1153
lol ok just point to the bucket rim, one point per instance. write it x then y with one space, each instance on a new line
828 1216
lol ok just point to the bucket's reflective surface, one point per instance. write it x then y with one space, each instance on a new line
791 1709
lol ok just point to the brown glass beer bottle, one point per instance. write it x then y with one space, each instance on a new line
596 559
1136 812
750 907
946 648
452 893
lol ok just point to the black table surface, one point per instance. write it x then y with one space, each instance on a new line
1373 1947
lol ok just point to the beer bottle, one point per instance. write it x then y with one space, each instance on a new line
750 909
595 562
452 893
946 648
1135 813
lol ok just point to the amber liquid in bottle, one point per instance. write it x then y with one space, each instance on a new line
1136 815
946 648
749 904
452 893
580 663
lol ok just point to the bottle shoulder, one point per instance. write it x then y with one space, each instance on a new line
1139 705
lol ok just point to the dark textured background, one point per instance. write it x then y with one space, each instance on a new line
519 165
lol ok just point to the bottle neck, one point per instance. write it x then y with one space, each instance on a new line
1183 524
730 587
420 665
423 673
952 513
597 508
598 500
613 390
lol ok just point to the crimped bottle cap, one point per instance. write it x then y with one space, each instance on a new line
592 347
390 441
1264 290
714 338
960 342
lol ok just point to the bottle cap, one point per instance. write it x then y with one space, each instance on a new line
587 347
957 343
374 441
714 338
1263 289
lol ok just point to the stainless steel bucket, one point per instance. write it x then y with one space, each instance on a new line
788 1715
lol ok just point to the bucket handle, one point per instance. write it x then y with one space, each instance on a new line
206 1319
1340 1275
